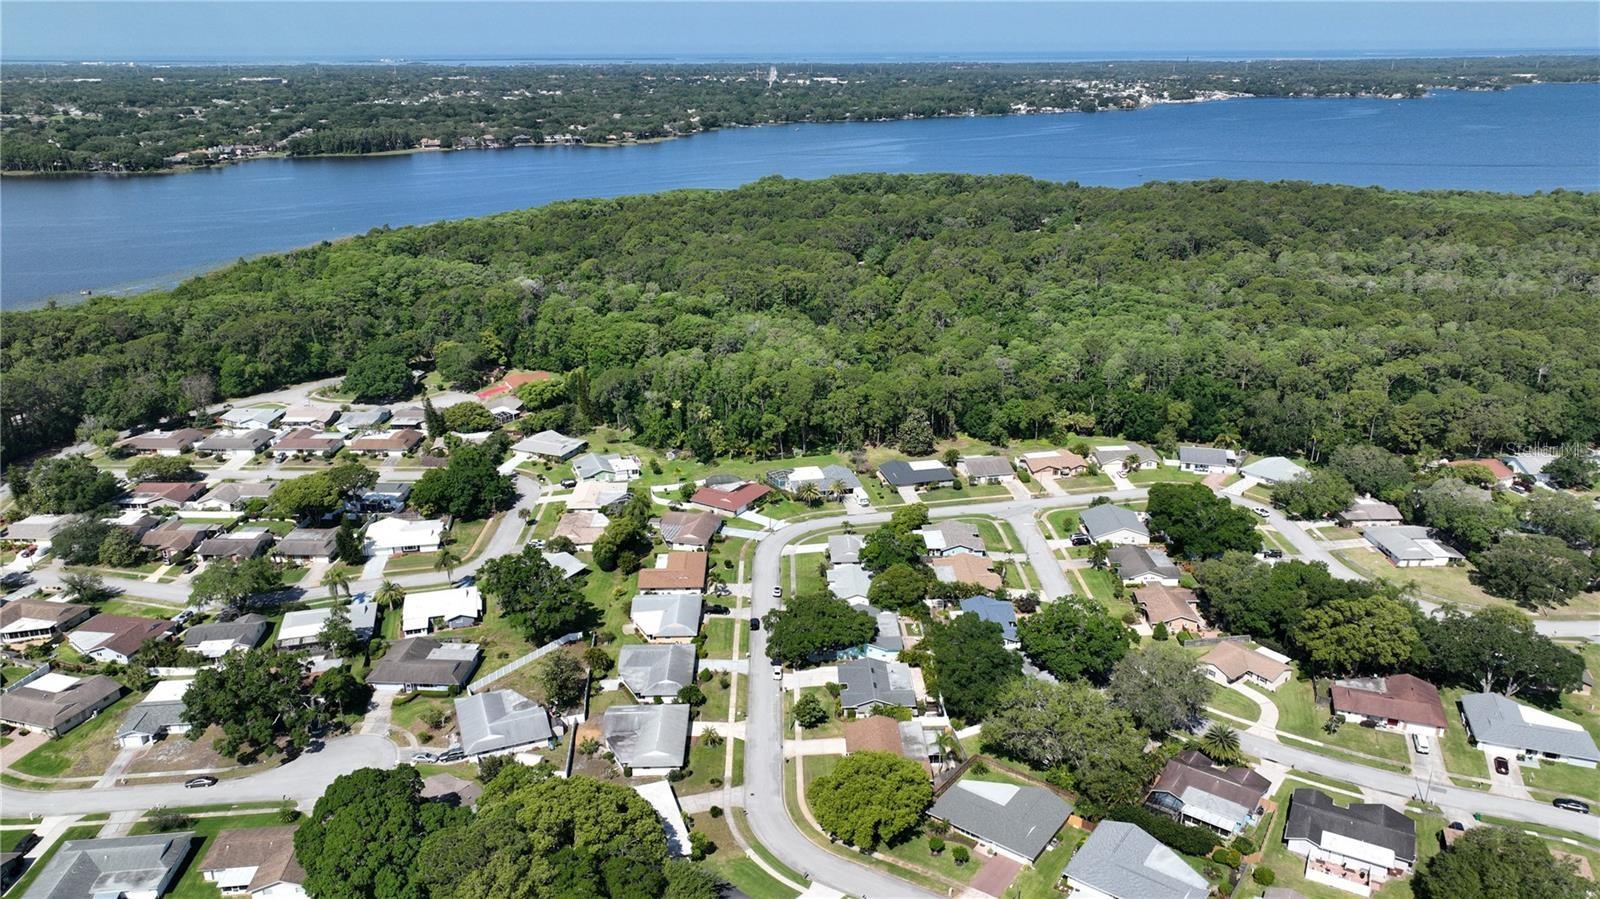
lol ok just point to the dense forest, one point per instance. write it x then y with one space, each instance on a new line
123 118
787 315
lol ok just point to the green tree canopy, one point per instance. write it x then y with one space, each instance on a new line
162 468
469 418
1074 638
870 798
1161 686
470 485
1533 571
1498 863
1467 516
970 664
362 839
1497 650
1322 493
535 596
813 626
1200 524
1373 634
901 587
235 584
378 377
64 485
1071 728
258 700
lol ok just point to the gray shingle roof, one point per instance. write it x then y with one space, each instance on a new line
1203 455
647 736
112 867
1273 469
1139 561
1494 719
988 467
1409 543
1105 519
1313 813
849 581
1022 819
1123 861
844 549
246 630
500 719
865 682
656 670
427 662
999 611
667 615
151 718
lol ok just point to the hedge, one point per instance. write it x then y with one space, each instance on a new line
1196 841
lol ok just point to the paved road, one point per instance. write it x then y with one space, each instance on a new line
305 778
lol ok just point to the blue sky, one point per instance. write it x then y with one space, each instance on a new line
369 29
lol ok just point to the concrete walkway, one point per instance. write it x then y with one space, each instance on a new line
1267 723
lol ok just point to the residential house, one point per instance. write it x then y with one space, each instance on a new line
255 861
999 611
568 564
307 545
688 531
886 641
730 499
1194 790
1018 822
845 549
310 442
869 683
829 480
309 416
389 444
1125 457
667 617
1355 848
27 620
1107 523
593 496
259 417
1176 607
653 670
986 469
647 739
1229 663
614 468
1143 565
384 496
1273 470
1503 475
510 383
164 494
140 867
582 528
56 703
881 733
362 419
424 613
37 528
1411 546
388 536
253 440
115 638
1121 861
242 544
1206 459
1366 512
967 568
1401 702
163 443
949 538
176 539
504 408
503 721
1054 463
219 638
423 663
408 417
303 627
1506 728
231 496
135 522
851 583
550 445
919 474
159 713
674 572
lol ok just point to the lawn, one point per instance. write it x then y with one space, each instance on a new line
1039 881
723 551
1567 780
915 851
964 492
11 839
1460 756
833 727
718 698
1063 521
706 763
1298 713
719 637
85 750
190 883
804 574
1228 700
1166 474
1453 584
1085 483
549 517
410 717
749 878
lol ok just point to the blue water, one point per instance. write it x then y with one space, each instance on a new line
60 236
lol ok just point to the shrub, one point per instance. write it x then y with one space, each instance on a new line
833 689
935 845
716 811
705 675
288 814
165 820
1243 845
677 774
1225 856
589 746
1264 877
715 782
1188 840
960 855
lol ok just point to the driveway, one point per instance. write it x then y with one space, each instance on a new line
1509 784
996 874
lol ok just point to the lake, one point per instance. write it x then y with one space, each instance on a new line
62 235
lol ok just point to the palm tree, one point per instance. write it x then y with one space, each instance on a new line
1130 462
838 488
1099 554
447 561
808 493
1221 742
337 579
389 595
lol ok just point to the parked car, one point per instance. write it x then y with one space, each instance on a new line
1501 766
202 781
1260 511
451 755
1081 540
1571 805
16 579
755 624
1272 554
569 483
861 500
777 672
424 757
1422 744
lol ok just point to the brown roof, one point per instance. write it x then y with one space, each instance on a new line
49 710
579 527
733 500
1402 697
175 536
682 571
403 440
127 632
1192 768
1058 460
63 614
181 439
692 528
511 382
1234 661
270 850
309 439
968 568
1500 470
174 491
874 733
244 546
1168 604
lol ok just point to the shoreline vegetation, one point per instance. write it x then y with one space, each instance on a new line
120 120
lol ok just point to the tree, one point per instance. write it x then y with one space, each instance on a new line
533 594
687 880
1371 470
362 839
389 595
870 798
432 420
1498 863
1161 686
1564 516
446 559
121 549
337 580
1244 595
1221 742
1319 494
1100 555
469 486
347 545
1071 730
1074 638
461 365
888 547
1497 650
341 692
1573 469
469 418
88 588
64 485
79 542
1363 635
1533 571
378 378
337 634
1200 524
900 587
915 436
809 711
234 584
562 679
320 493
162 468
814 626
1468 516
257 699
971 666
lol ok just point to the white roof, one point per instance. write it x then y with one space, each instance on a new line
666 614
849 581
168 691
661 797
389 533
1274 469
591 495
53 682
926 465
421 608
806 473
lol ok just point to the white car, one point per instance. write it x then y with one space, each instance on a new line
1421 741
1260 511
777 672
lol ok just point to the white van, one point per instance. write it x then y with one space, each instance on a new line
1421 742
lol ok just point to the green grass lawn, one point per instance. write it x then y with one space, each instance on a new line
723 551
749 878
1039 881
1063 521
807 577
87 746
1086 483
1299 714
833 727
462 537
1231 701
1165 475
705 765
718 698
964 492
1453 584
1567 780
1460 756
549 517
915 851
719 637
11 839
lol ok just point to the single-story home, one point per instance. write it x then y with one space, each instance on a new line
408 417
504 408
232 496
1125 457
176 538
967 568
255 861
550 445
423 663
647 739
134 521
307 545
1354 848
56 703
1368 512
27 620
1206 459
650 670
163 443
242 544
452 608
919 474
1016 821
613 468
1508 728
310 441
1144 565
163 494
1273 470
1176 607
388 536
730 499
882 733
845 549
591 496
115 638
260 417
886 642
850 583
37 528
1411 546
1228 663
511 381
1120 861
140 867
309 416
667 617
219 638
385 496
1503 475
674 572
1107 523
159 713
253 440
362 419
1056 463
1401 702
986 469
999 611
303 627
503 721
688 531
829 480
868 683
582 528
391 444
1194 790
949 538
